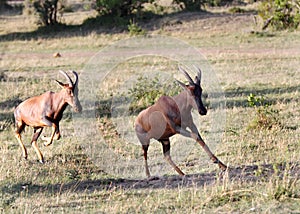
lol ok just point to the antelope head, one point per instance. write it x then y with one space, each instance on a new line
195 91
70 91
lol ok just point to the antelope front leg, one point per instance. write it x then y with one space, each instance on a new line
48 140
211 155
205 147
57 133
55 130
196 136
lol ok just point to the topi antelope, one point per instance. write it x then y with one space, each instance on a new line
170 116
46 110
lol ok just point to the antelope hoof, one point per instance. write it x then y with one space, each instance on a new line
23 158
57 136
47 141
222 166
223 172
42 161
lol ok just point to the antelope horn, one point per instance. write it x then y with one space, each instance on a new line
76 78
187 76
67 77
198 77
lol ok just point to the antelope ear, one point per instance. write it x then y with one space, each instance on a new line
182 84
60 84
197 80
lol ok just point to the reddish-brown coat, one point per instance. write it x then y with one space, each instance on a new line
46 110
170 116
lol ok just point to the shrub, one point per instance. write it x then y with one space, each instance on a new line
134 29
265 116
218 3
147 91
237 10
46 10
120 8
3 4
191 5
280 14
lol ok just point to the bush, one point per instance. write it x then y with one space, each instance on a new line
190 5
134 29
265 116
147 91
120 8
236 10
46 10
194 5
3 4
280 14
218 3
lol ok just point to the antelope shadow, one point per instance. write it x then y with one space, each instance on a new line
244 174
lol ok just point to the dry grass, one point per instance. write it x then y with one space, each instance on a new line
264 175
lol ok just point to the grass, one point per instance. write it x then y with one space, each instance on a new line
264 175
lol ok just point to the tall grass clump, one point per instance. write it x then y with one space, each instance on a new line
265 116
134 29
283 185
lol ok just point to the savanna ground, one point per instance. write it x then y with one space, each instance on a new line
260 143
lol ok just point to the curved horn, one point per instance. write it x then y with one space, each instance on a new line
67 77
187 76
76 78
198 77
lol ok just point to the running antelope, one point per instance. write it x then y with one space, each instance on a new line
170 116
46 110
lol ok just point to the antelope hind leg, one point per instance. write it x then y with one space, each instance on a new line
20 128
24 150
37 133
145 149
167 156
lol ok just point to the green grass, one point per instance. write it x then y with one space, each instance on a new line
264 175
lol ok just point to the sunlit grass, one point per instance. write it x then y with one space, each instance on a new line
264 162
